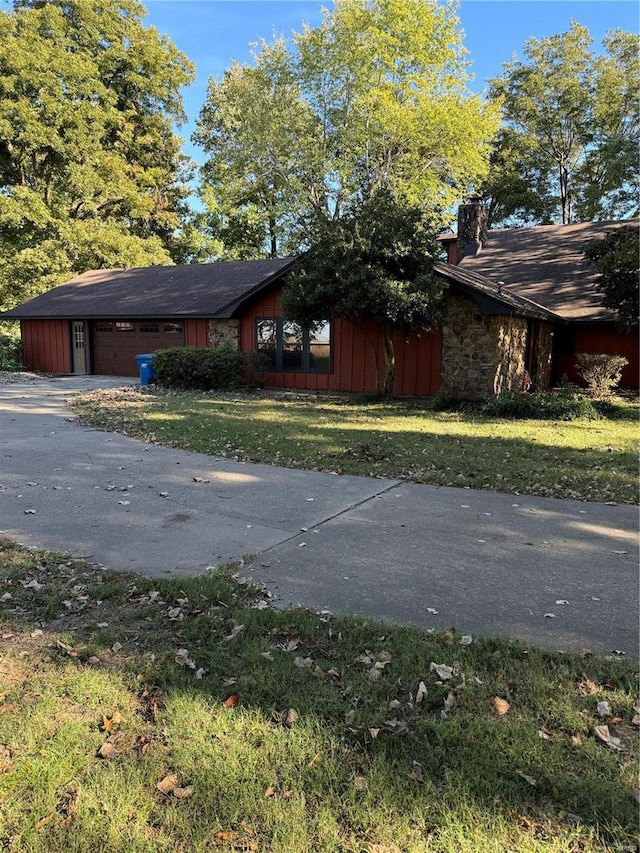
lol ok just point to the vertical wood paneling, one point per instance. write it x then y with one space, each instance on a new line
46 345
418 358
600 338
196 333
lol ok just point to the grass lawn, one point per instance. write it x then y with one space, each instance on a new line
187 715
584 459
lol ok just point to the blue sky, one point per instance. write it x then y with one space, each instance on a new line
214 32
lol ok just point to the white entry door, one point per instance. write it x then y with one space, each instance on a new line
78 347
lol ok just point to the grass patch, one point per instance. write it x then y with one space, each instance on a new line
583 459
290 731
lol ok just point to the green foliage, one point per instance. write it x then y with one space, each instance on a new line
372 265
91 173
199 368
565 404
617 260
373 98
10 347
208 369
601 372
572 130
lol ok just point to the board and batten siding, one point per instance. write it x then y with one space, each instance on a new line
418 356
597 338
46 345
196 333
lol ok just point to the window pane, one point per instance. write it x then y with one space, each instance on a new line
149 327
266 341
320 348
291 346
125 327
104 327
173 328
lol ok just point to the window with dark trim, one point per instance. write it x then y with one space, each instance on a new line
149 326
287 346
104 327
125 326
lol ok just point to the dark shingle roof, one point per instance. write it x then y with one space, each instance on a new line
546 264
490 297
189 290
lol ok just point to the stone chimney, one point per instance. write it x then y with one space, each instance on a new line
472 227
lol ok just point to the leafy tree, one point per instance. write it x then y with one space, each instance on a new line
91 172
373 265
571 125
617 261
373 98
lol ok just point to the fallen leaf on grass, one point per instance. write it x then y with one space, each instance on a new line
603 733
500 706
114 720
45 820
360 783
603 709
235 840
183 793
168 784
422 692
443 671
232 701
416 773
349 717
526 778
291 718
449 702
303 663
466 640
270 792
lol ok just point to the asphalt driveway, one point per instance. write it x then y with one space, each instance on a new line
560 574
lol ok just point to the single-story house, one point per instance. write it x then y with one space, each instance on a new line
546 264
495 334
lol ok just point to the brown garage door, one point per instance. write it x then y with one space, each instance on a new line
116 343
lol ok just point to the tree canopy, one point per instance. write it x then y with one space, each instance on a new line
571 132
374 98
617 261
373 265
91 171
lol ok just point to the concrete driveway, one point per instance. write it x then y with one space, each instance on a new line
560 574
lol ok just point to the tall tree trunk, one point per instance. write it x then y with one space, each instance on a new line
374 353
389 361
273 239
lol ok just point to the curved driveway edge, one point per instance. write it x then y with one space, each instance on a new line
559 574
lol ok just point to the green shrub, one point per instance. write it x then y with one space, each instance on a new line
601 372
446 401
565 404
10 349
199 368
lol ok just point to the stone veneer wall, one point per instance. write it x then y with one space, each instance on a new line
481 354
224 332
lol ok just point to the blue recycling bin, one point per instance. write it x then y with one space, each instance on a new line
145 366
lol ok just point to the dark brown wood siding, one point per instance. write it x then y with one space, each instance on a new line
594 338
46 345
355 350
